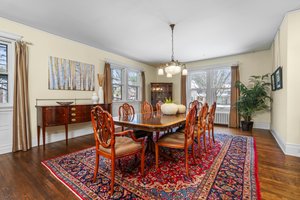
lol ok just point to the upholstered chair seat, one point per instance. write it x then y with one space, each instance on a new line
172 139
123 146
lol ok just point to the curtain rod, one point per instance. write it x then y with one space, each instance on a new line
9 40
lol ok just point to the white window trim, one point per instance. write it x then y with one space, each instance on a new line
124 84
11 66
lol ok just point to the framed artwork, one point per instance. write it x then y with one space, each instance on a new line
278 78
273 86
66 74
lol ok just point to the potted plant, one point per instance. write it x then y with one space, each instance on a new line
255 97
169 108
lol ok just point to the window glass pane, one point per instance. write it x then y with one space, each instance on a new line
116 76
117 92
132 93
3 88
133 78
221 78
3 58
199 80
223 99
198 95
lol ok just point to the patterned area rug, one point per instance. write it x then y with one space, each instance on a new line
227 171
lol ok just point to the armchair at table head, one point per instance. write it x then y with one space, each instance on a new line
112 145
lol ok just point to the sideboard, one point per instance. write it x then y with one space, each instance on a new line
63 115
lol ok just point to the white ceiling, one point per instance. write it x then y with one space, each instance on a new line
139 29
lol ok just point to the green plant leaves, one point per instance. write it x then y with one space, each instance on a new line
255 97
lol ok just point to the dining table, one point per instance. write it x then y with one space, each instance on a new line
153 123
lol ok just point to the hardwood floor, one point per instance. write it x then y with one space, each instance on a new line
23 177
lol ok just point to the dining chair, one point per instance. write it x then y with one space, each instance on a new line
147 107
201 127
178 140
158 106
211 121
127 112
112 145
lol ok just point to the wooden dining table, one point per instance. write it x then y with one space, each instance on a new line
151 122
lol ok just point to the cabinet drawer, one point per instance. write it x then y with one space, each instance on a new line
54 116
79 119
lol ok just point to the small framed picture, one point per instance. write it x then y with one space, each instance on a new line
273 86
278 78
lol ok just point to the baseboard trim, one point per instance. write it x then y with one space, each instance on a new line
5 149
262 125
279 140
287 148
293 149
56 134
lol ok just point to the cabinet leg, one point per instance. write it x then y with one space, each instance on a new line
38 135
66 127
44 136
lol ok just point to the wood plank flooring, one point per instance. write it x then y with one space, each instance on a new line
23 177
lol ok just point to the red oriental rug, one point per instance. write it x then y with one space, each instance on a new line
227 171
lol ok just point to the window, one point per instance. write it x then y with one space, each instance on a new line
211 85
3 74
126 84
133 85
117 82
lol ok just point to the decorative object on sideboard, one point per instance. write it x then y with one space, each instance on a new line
67 74
95 98
181 108
100 90
64 103
169 108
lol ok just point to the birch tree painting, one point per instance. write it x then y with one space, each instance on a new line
66 74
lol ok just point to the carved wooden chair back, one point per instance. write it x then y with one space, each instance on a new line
211 121
158 106
202 122
201 126
190 125
147 107
104 127
198 105
126 111
212 112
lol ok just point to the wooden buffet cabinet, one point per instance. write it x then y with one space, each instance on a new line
160 91
63 115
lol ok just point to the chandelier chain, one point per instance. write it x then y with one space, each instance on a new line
172 28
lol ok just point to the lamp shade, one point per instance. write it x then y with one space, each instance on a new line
160 71
184 72
169 75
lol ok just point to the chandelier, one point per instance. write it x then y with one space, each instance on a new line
173 67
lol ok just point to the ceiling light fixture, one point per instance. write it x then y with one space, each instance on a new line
173 67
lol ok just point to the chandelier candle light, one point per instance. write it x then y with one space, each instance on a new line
173 67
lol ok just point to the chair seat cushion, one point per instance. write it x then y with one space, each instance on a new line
172 139
123 146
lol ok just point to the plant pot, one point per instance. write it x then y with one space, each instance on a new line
169 108
247 125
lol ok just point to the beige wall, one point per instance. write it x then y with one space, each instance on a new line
256 63
293 72
286 111
45 45
279 104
